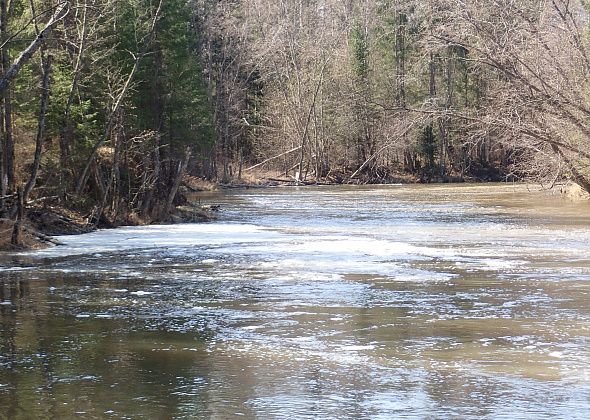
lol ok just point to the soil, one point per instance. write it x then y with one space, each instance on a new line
28 240
39 227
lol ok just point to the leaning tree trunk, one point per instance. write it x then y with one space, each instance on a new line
305 135
9 74
65 131
178 179
40 128
577 176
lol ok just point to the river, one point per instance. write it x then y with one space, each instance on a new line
445 301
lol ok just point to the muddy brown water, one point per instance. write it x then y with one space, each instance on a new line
331 302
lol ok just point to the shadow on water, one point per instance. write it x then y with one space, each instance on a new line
56 364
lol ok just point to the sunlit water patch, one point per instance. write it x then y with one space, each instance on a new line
339 302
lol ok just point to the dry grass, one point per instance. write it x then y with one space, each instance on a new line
199 184
575 192
260 176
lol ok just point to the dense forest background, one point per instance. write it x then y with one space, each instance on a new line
107 104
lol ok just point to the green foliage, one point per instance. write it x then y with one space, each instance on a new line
426 147
360 51
166 95
85 119
171 97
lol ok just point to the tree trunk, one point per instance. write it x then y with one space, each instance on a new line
151 182
65 131
2 175
7 140
40 127
444 122
116 174
578 177
178 179
308 120
107 131
3 36
400 56
16 239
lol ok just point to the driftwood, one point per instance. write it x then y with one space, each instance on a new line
281 180
272 158
294 181
42 199
42 236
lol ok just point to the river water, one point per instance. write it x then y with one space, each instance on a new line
330 303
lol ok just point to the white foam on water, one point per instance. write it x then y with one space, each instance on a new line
252 327
16 268
160 236
356 348
141 293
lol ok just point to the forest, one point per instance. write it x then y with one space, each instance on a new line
108 105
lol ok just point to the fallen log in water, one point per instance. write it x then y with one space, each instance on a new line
42 236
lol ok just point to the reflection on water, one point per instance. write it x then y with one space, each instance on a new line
375 302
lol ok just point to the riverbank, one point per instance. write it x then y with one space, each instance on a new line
41 223
574 192
39 226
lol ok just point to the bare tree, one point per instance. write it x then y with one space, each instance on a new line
539 52
119 99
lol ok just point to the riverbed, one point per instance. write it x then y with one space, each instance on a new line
376 302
